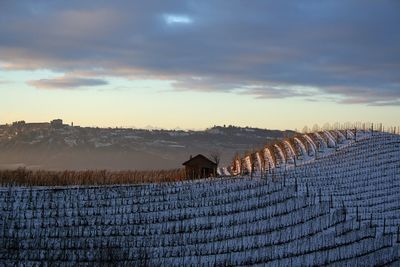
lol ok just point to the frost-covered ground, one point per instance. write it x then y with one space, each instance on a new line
340 207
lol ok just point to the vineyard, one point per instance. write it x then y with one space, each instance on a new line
324 198
26 177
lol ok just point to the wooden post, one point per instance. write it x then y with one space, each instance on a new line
355 134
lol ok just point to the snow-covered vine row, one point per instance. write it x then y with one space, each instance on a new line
297 150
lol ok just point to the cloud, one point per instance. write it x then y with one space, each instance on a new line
259 90
265 49
66 83
263 92
177 19
385 103
387 96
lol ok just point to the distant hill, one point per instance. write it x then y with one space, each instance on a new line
57 146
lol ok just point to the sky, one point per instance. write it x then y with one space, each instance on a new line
195 64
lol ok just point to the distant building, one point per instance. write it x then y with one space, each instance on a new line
57 123
18 123
200 167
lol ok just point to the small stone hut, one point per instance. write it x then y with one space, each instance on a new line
200 167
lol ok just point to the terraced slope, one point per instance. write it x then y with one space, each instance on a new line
307 216
363 177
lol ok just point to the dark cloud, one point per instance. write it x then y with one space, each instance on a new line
66 83
349 49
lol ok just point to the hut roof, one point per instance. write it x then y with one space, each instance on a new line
199 157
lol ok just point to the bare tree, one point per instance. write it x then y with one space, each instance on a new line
215 156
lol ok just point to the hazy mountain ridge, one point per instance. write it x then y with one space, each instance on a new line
44 145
